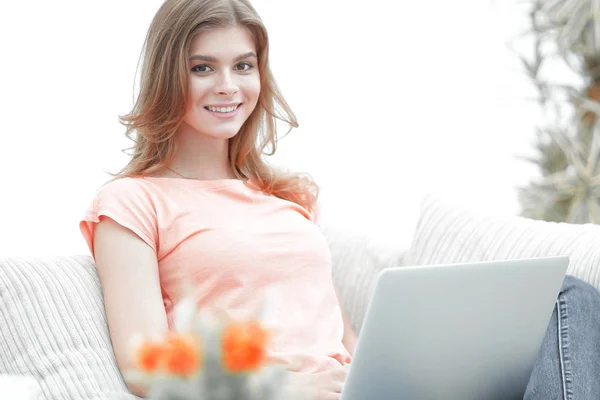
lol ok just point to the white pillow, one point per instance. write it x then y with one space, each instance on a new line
53 328
451 234
357 261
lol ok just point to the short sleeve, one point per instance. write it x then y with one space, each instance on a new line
129 203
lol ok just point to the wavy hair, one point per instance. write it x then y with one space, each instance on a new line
159 108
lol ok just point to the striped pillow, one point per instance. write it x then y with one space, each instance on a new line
449 234
357 261
53 328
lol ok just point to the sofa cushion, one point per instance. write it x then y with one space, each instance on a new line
53 328
447 233
357 261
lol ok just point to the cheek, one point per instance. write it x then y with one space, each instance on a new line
196 97
253 89
199 88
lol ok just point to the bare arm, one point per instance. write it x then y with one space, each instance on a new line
350 338
128 271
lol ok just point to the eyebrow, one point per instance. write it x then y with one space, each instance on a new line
213 59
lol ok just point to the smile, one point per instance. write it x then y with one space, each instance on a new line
223 110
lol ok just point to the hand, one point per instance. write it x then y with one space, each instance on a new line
326 385
329 384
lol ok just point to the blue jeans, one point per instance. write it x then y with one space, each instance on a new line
568 367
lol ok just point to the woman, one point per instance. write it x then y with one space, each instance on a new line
198 204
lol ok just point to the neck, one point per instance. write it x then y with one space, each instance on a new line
201 157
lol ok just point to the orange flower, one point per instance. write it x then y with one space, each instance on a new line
182 355
244 346
149 356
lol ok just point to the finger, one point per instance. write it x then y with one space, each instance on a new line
336 387
329 396
336 375
339 375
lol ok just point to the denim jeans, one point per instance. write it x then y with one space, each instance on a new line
568 366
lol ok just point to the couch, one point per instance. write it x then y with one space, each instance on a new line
53 328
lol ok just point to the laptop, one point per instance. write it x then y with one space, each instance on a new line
463 331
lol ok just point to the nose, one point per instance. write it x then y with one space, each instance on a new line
226 85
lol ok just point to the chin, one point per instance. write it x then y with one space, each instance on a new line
222 134
211 132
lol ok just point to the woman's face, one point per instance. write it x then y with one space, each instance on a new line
224 82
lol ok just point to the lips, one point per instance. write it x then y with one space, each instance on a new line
223 109
224 112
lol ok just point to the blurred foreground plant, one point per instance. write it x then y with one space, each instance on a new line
210 358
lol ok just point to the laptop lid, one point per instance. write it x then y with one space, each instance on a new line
464 331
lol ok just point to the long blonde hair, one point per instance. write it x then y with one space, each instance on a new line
162 99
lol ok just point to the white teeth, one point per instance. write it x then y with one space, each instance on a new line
222 109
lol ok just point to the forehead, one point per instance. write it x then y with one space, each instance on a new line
223 43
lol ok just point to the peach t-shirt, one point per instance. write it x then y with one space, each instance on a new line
233 244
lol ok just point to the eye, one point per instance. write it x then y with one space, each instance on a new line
244 66
202 68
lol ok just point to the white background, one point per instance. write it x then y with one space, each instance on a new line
394 99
